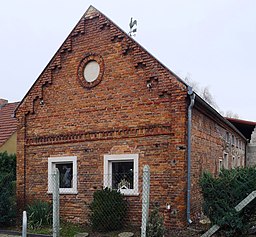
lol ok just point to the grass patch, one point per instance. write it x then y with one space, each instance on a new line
67 229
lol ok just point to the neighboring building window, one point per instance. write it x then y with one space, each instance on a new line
239 162
225 160
233 140
121 173
220 165
67 167
242 161
227 137
233 161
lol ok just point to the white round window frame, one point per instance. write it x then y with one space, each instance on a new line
81 68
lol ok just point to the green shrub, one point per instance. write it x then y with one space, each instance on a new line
223 193
108 210
155 226
8 190
39 214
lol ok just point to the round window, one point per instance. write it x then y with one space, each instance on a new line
91 71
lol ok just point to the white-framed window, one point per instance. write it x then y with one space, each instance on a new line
233 140
239 162
121 173
227 137
221 165
225 160
67 167
234 163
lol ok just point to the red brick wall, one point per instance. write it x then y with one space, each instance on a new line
119 115
208 145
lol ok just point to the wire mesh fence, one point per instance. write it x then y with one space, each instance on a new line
81 195
107 202
104 202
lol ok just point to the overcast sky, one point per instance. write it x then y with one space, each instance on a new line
212 41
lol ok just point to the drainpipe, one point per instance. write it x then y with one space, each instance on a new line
192 101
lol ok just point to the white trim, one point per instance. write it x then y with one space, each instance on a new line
108 159
234 163
58 160
221 164
225 160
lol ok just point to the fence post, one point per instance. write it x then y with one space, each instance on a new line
145 199
24 224
56 203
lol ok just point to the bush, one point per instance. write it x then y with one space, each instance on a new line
223 193
108 210
8 190
39 214
155 226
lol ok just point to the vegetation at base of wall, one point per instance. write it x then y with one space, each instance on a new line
8 189
108 210
39 214
221 194
67 229
155 226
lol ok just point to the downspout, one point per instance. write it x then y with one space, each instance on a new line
192 101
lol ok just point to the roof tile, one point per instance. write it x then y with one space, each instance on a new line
8 124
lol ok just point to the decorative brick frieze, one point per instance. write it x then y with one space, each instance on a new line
104 23
67 46
153 130
56 62
80 28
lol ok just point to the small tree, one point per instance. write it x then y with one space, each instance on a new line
108 210
7 187
223 193
155 226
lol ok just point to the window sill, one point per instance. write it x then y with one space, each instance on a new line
130 194
63 192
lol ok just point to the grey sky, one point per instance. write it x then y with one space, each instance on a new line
211 40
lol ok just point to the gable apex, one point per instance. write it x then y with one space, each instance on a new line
91 12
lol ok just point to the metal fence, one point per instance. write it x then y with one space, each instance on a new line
102 212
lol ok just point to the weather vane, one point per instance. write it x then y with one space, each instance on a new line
133 29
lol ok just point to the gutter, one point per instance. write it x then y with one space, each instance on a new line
192 102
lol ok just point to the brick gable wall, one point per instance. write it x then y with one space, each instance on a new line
59 117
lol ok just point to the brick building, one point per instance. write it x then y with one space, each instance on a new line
104 106
248 129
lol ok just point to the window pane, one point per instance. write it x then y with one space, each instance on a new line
66 174
122 175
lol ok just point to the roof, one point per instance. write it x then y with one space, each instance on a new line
217 116
244 126
8 124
